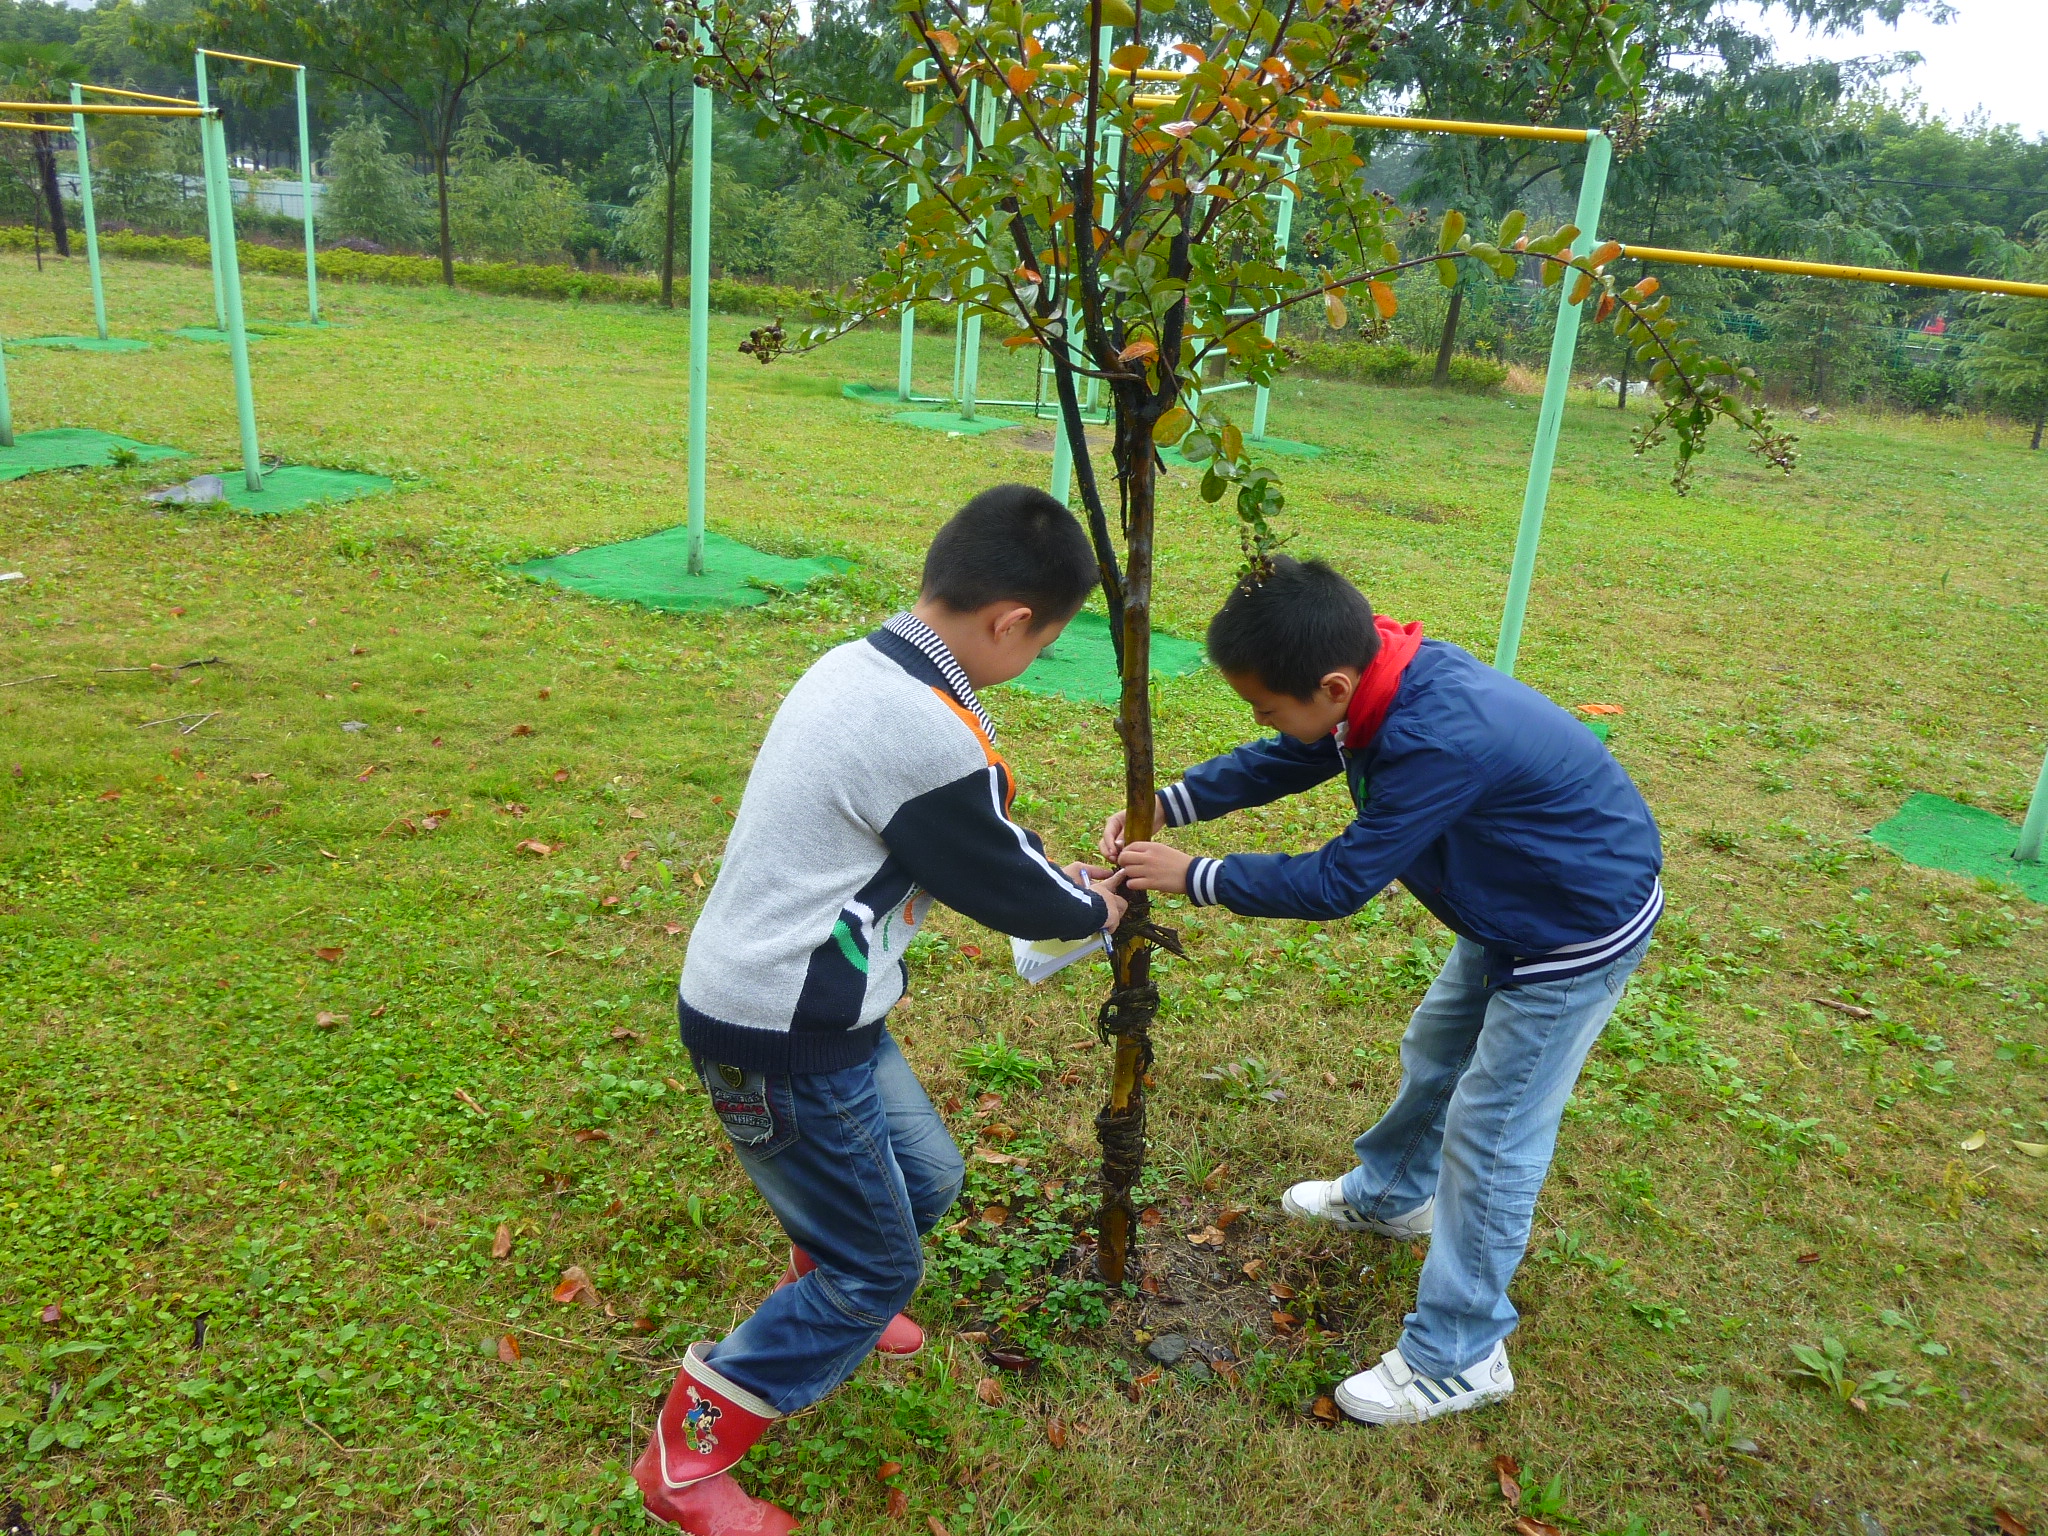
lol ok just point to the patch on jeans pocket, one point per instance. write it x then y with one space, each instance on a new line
740 1100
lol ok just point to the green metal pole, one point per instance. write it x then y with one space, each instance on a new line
220 311
6 405
907 345
2032 830
92 229
1283 233
980 103
1557 383
306 202
215 135
700 313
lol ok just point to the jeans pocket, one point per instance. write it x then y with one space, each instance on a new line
757 1109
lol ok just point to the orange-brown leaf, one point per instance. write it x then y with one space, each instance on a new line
1143 347
1325 1409
1645 288
1526 1525
330 953
575 1286
1020 79
2010 1523
1056 1434
522 730
1025 338
508 1349
1509 1473
1285 1322
989 1390
995 1215
501 1245
1383 299
899 1504
1189 50
1601 709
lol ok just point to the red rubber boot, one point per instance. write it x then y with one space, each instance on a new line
901 1338
705 1427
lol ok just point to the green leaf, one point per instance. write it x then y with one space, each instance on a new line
1118 13
1511 227
1213 485
1447 272
1452 227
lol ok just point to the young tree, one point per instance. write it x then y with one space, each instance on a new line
2007 356
422 58
1124 225
42 72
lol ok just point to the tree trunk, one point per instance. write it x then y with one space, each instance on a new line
1443 351
668 230
2040 421
1134 1002
1627 356
46 170
447 239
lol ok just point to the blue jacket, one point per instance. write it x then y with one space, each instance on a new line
1499 812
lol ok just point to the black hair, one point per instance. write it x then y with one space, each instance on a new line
1298 625
1012 543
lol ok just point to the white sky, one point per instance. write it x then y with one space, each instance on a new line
1991 58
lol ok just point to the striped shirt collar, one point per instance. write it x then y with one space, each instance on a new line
908 626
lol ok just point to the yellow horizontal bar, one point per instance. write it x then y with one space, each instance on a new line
95 109
1420 124
249 58
1348 119
36 127
114 90
1843 274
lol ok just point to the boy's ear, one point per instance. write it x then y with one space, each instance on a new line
1338 686
1010 619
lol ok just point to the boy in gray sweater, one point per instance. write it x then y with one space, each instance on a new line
877 792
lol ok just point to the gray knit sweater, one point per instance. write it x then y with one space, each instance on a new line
877 791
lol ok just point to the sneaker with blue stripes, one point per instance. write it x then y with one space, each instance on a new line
1391 1393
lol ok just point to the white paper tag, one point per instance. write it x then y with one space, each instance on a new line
1046 958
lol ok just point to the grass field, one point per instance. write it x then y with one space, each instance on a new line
314 1083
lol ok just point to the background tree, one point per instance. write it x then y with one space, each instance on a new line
421 58
2007 355
42 72
1125 228
370 193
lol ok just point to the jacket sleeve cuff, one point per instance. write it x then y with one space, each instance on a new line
1202 877
1179 805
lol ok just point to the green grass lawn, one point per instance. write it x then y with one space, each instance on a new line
293 1035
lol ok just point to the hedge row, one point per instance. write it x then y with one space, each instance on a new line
1390 363
1372 363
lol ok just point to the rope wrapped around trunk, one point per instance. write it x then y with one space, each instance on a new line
1126 1011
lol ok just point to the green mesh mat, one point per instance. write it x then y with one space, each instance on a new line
209 333
1285 447
869 394
297 485
1938 833
655 572
951 423
72 448
1081 664
81 343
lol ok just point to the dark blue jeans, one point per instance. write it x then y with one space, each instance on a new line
857 1166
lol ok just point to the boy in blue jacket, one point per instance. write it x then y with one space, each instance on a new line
1505 817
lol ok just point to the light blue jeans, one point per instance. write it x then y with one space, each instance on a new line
1484 1080
857 1166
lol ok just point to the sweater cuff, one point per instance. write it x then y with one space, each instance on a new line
1202 876
1179 805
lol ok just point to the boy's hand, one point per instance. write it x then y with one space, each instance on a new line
1112 842
1106 883
1156 867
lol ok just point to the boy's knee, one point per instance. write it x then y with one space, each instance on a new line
934 1185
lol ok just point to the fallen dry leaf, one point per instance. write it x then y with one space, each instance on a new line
1285 1322
1212 1236
933 1525
988 1103
463 1094
53 1314
366 773
998 1132
1282 1291
888 1469
636 813
2031 1148
326 1020
1251 1270
522 730
995 1215
1599 709
561 775
1056 1434
433 819
1008 1360
331 954
1329 1079
2010 1523
536 847
1150 1217
674 1086
697 879
511 808
1148 1378
989 1390
1325 1410
1849 1008
1972 1142
112 794
501 1245
974 1335
971 951
620 1032
545 692
988 1155
671 929
1152 1285
257 778
609 901
508 1349
587 1135
1227 1215
899 1504
378 1011
1509 1473
1215 1180
576 1286
626 859
1527 1526
1807 1258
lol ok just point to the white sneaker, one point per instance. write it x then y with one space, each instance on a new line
1391 1393
1323 1200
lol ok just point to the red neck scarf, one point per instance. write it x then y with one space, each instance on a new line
1374 695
